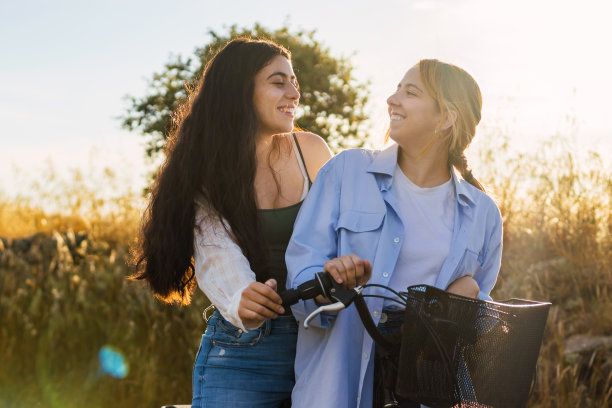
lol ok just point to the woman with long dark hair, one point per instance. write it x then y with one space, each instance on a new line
221 214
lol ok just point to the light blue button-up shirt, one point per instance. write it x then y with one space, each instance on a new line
352 209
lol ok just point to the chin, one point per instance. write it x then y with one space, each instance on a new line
286 128
393 136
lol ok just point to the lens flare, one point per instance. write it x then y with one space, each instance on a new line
112 362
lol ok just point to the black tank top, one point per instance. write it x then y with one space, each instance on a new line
277 227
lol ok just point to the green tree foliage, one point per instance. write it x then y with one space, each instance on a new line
331 105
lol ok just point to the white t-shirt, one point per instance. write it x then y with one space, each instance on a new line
428 216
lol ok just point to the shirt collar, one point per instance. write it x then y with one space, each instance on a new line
385 161
463 191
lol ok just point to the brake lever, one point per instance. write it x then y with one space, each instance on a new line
325 308
343 298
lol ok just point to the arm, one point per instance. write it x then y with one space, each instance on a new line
314 239
224 275
480 284
492 253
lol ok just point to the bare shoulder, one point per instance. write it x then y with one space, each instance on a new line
312 142
315 150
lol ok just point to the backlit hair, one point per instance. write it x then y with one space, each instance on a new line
454 90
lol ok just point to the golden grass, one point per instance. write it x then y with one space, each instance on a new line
63 293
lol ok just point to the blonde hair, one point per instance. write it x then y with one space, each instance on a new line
454 90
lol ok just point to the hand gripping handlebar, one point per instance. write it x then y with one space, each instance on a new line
322 284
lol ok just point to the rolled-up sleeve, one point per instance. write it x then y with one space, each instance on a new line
221 269
314 239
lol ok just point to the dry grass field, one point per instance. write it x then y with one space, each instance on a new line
64 296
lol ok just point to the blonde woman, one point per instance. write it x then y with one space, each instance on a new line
410 214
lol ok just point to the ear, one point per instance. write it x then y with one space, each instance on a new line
449 120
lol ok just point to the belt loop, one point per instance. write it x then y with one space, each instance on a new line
210 309
265 329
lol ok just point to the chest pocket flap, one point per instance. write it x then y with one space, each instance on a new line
359 221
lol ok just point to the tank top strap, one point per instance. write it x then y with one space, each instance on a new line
301 162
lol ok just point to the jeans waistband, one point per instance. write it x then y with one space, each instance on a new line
281 322
390 316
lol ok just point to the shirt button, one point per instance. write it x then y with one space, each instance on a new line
365 356
396 240
375 313
385 275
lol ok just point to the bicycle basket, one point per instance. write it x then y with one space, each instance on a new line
463 352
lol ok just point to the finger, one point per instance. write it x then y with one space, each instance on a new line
260 310
271 283
349 267
268 292
332 268
368 270
252 318
265 296
359 269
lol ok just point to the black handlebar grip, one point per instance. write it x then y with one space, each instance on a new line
290 297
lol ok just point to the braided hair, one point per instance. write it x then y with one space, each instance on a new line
454 90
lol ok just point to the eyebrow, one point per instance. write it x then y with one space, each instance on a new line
285 76
410 85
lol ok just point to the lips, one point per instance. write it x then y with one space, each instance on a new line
394 116
288 110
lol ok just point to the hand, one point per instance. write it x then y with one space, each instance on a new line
349 270
464 286
259 302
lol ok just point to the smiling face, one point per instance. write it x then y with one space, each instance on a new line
275 97
413 112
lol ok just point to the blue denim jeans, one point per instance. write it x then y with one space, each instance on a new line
391 322
254 369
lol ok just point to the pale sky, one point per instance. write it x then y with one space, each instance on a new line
66 65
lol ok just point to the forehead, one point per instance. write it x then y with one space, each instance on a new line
413 77
277 64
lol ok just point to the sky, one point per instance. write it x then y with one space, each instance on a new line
65 66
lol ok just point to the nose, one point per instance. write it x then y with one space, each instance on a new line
292 92
391 100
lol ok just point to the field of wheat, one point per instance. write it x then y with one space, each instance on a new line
66 305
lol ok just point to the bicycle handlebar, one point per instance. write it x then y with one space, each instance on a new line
322 284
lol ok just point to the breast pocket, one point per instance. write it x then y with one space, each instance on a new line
359 233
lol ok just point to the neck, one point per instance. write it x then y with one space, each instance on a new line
263 144
427 169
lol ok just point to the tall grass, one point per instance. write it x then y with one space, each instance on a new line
64 296
557 208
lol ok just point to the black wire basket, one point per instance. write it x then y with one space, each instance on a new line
461 352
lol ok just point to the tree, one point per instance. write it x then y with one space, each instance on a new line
331 105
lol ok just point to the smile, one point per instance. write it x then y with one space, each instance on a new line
396 117
287 110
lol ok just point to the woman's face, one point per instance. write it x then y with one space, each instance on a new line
413 113
275 97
